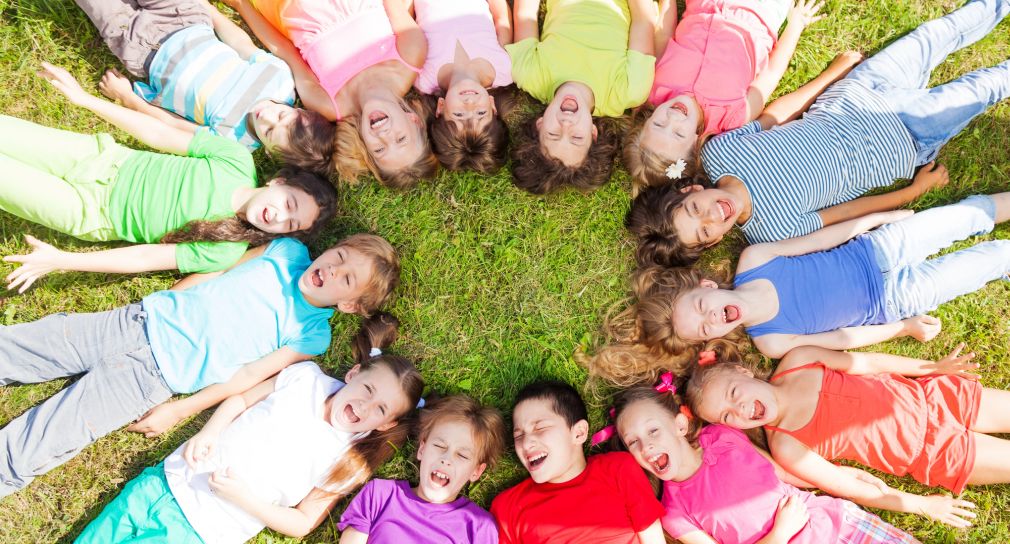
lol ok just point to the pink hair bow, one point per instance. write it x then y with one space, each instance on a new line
706 358
605 433
665 384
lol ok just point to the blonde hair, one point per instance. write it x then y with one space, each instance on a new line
485 422
385 269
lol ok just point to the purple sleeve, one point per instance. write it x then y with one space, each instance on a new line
360 514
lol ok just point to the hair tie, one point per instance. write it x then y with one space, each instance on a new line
684 409
706 358
676 169
665 384
605 433
420 401
374 352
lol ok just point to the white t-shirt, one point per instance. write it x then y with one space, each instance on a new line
281 447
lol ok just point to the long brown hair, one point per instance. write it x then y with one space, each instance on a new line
237 229
647 168
539 174
368 453
650 219
312 143
471 149
671 402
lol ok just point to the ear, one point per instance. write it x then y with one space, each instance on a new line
387 426
494 107
439 106
745 371
420 450
352 373
692 189
349 307
540 123
478 472
708 284
682 423
596 132
580 431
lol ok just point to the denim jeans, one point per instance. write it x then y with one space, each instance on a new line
120 382
900 72
914 285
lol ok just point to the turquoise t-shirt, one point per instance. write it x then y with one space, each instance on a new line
203 335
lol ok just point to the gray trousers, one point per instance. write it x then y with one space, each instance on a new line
134 29
120 381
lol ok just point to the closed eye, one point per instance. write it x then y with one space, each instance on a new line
401 139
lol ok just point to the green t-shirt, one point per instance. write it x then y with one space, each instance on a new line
156 193
585 41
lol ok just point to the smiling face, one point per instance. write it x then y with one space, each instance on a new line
735 398
337 278
705 216
671 132
279 208
707 312
466 104
566 128
549 449
272 123
655 438
392 134
371 400
448 459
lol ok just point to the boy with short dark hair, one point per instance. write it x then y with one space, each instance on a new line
567 498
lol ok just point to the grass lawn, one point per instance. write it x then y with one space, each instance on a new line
499 287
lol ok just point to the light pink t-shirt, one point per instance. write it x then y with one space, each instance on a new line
717 50
468 21
734 495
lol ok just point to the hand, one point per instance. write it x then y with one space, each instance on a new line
804 13
200 447
157 420
866 477
43 259
931 176
953 512
790 517
956 364
227 485
65 83
922 327
116 86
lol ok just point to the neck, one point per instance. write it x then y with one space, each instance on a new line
759 298
240 198
420 494
690 462
734 186
463 68
577 87
576 468
374 86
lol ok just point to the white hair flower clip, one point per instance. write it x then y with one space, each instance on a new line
675 170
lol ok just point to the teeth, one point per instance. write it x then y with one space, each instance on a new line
753 410
655 458
537 457
440 475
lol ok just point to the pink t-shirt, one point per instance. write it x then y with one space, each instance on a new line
717 50
734 495
445 22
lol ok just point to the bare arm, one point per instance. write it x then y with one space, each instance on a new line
861 363
923 328
410 40
652 534
666 27
297 522
642 34
116 86
353 536
196 279
928 177
790 106
525 19
230 33
502 17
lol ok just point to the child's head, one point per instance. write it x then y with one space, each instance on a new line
468 131
390 139
459 439
295 202
730 394
674 225
549 427
680 308
300 137
661 137
355 276
563 148
652 427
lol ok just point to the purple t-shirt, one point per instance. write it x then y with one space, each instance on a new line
389 512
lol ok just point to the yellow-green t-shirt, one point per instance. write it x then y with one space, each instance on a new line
585 41
156 193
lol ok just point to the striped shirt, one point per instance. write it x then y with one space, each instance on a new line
198 77
849 142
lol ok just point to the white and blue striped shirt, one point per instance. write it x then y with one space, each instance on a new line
847 143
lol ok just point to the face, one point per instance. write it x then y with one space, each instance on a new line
371 400
467 103
566 128
392 135
279 208
735 398
448 459
707 312
337 278
672 130
654 437
705 215
272 122
549 449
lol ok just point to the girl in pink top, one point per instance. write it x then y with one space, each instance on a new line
353 62
715 71
466 59
718 487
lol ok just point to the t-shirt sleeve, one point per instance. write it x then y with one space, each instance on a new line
502 516
287 249
642 506
807 223
312 341
641 74
527 70
360 514
676 522
717 153
227 158
201 257
297 374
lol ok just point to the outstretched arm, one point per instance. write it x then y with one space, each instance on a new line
666 26
410 40
861 363
642 34
790 106
230 33
502 17
922 328
928 177
116 86
803 14
525 20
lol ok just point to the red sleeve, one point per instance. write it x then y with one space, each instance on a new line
643 507
501 512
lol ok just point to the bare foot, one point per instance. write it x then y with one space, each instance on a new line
115 86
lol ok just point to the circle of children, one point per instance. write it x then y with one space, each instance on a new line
828 269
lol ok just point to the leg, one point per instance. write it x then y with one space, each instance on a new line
908 62
991 465
993 412
116 391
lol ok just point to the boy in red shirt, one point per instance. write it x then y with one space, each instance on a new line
567 498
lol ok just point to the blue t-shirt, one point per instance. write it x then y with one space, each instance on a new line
822 291
850 141
203 335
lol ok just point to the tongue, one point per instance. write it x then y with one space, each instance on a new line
317 278
759 410
727 210
732 314
349 412
569 105
663 462
377 118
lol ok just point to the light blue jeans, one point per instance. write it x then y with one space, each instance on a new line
900 72
914 285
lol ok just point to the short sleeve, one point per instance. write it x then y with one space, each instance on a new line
500 511
314 340
297 374
807 223
641 74
676 521
202 257
642 506
287 249
360 514
486 530
527 71
226 157
717 153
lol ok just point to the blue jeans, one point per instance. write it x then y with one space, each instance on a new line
914 285
900 72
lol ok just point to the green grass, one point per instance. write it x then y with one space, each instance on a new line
499 287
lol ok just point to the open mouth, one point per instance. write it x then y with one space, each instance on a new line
317 277
660 462
726 209
439 478
535 461
757 411
377 119
569 104
468 92
730 314
350 416
266 216
679 107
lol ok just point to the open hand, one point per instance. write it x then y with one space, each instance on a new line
956 364
930 176
922 327
945 509
157 420
790 517
65 83
43 259
804 13
199 448
115 86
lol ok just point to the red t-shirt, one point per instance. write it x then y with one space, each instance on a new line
609 503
